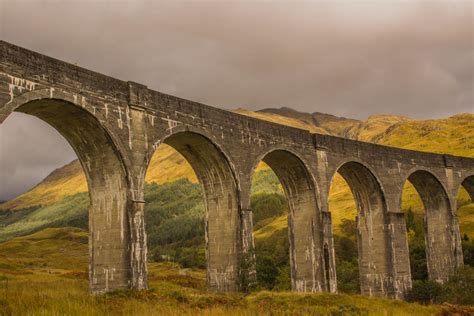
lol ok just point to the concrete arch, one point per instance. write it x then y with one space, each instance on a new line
221 196
112 265
440 237
261 156
303 220
406 176
360 162
182 129
85 104
373 241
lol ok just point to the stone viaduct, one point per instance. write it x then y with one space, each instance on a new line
115 126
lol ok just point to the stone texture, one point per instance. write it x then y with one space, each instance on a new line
116 126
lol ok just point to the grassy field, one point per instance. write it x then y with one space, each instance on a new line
46 274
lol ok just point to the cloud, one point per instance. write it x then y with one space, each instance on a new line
30 149
349 58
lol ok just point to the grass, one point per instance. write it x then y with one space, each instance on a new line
47 275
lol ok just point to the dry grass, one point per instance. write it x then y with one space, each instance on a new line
61 293
45 274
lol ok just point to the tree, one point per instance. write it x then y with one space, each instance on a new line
267 272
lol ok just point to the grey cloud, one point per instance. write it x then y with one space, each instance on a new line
348 58
29 150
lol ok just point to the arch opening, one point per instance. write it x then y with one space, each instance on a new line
343 219
429 226
270 230
217 219
300 192
465 214
107 186
373 255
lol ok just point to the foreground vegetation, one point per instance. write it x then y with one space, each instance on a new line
46 273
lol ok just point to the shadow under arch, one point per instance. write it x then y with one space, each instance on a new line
372 239
222 210
110 261
300 191
441 250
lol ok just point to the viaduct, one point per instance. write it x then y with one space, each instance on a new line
115 127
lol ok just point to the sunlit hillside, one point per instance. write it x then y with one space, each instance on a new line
284 120
453 135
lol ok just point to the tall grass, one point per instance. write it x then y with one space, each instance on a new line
176 292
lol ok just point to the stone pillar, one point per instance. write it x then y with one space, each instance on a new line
117 243
109 260
135 121
138 246
329 257
456 245
400 255
247 269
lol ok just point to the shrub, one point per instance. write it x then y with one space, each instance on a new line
191 258
468 250
348 280
425 292
460 287
267 272
283 280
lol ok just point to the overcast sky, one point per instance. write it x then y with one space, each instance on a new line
348 58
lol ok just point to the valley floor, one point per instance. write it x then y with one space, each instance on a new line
45 274
174 292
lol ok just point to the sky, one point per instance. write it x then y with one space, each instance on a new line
347 58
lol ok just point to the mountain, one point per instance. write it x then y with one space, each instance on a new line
331 124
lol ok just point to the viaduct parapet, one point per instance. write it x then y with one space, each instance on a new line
115 127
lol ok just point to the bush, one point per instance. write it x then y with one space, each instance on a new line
283 280
457 290
460 287
346 248
425 292
418 265
348 279
468 250
191 258
267 272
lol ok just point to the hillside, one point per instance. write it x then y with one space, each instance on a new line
46 274
331 124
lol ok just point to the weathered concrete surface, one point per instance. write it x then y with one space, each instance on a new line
116 126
